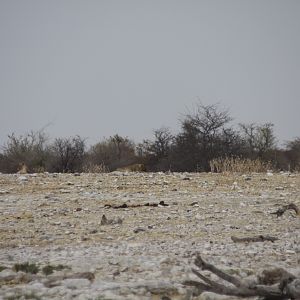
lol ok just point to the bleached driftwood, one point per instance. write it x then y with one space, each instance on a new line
284 284
254 239
291 206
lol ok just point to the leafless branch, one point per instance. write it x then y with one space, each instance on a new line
291 206
284 285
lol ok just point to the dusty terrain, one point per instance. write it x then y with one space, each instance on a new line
141 250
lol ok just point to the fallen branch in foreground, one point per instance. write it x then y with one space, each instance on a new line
291 206
258 238
161 203
284 285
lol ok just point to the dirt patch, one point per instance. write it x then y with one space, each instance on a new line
56 219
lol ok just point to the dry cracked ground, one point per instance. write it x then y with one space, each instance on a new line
145 245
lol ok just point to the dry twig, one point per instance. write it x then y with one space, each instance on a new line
124 205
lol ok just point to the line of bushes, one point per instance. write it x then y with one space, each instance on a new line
206 142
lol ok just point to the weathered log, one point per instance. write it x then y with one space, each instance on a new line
291 206
285 286
273 276
124 205
258 238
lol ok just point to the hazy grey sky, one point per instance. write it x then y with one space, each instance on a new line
96 68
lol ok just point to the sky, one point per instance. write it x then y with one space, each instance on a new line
97 68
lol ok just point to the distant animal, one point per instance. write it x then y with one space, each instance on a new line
133 168
23 169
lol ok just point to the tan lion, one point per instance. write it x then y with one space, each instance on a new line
23 169
133 168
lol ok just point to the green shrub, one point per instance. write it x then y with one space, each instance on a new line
49 269
2 268
27 268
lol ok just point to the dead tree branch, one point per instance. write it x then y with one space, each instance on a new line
291 206
259 238
284 285
124 205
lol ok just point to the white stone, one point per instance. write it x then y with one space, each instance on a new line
76 283
6 272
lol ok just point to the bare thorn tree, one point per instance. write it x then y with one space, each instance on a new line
162 143
68 154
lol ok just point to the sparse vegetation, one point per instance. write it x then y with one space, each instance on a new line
27 268
206 142
91 168
67 154
239 165
111 154
49 269
2 268
29 150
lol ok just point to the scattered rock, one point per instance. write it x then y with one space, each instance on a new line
163 222
2 192
106 221
22 178
77 283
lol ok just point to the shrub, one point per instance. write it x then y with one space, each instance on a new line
49 269
27 268
67 155
112 153
29 150
2 268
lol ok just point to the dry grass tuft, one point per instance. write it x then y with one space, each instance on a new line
101 168
239 165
